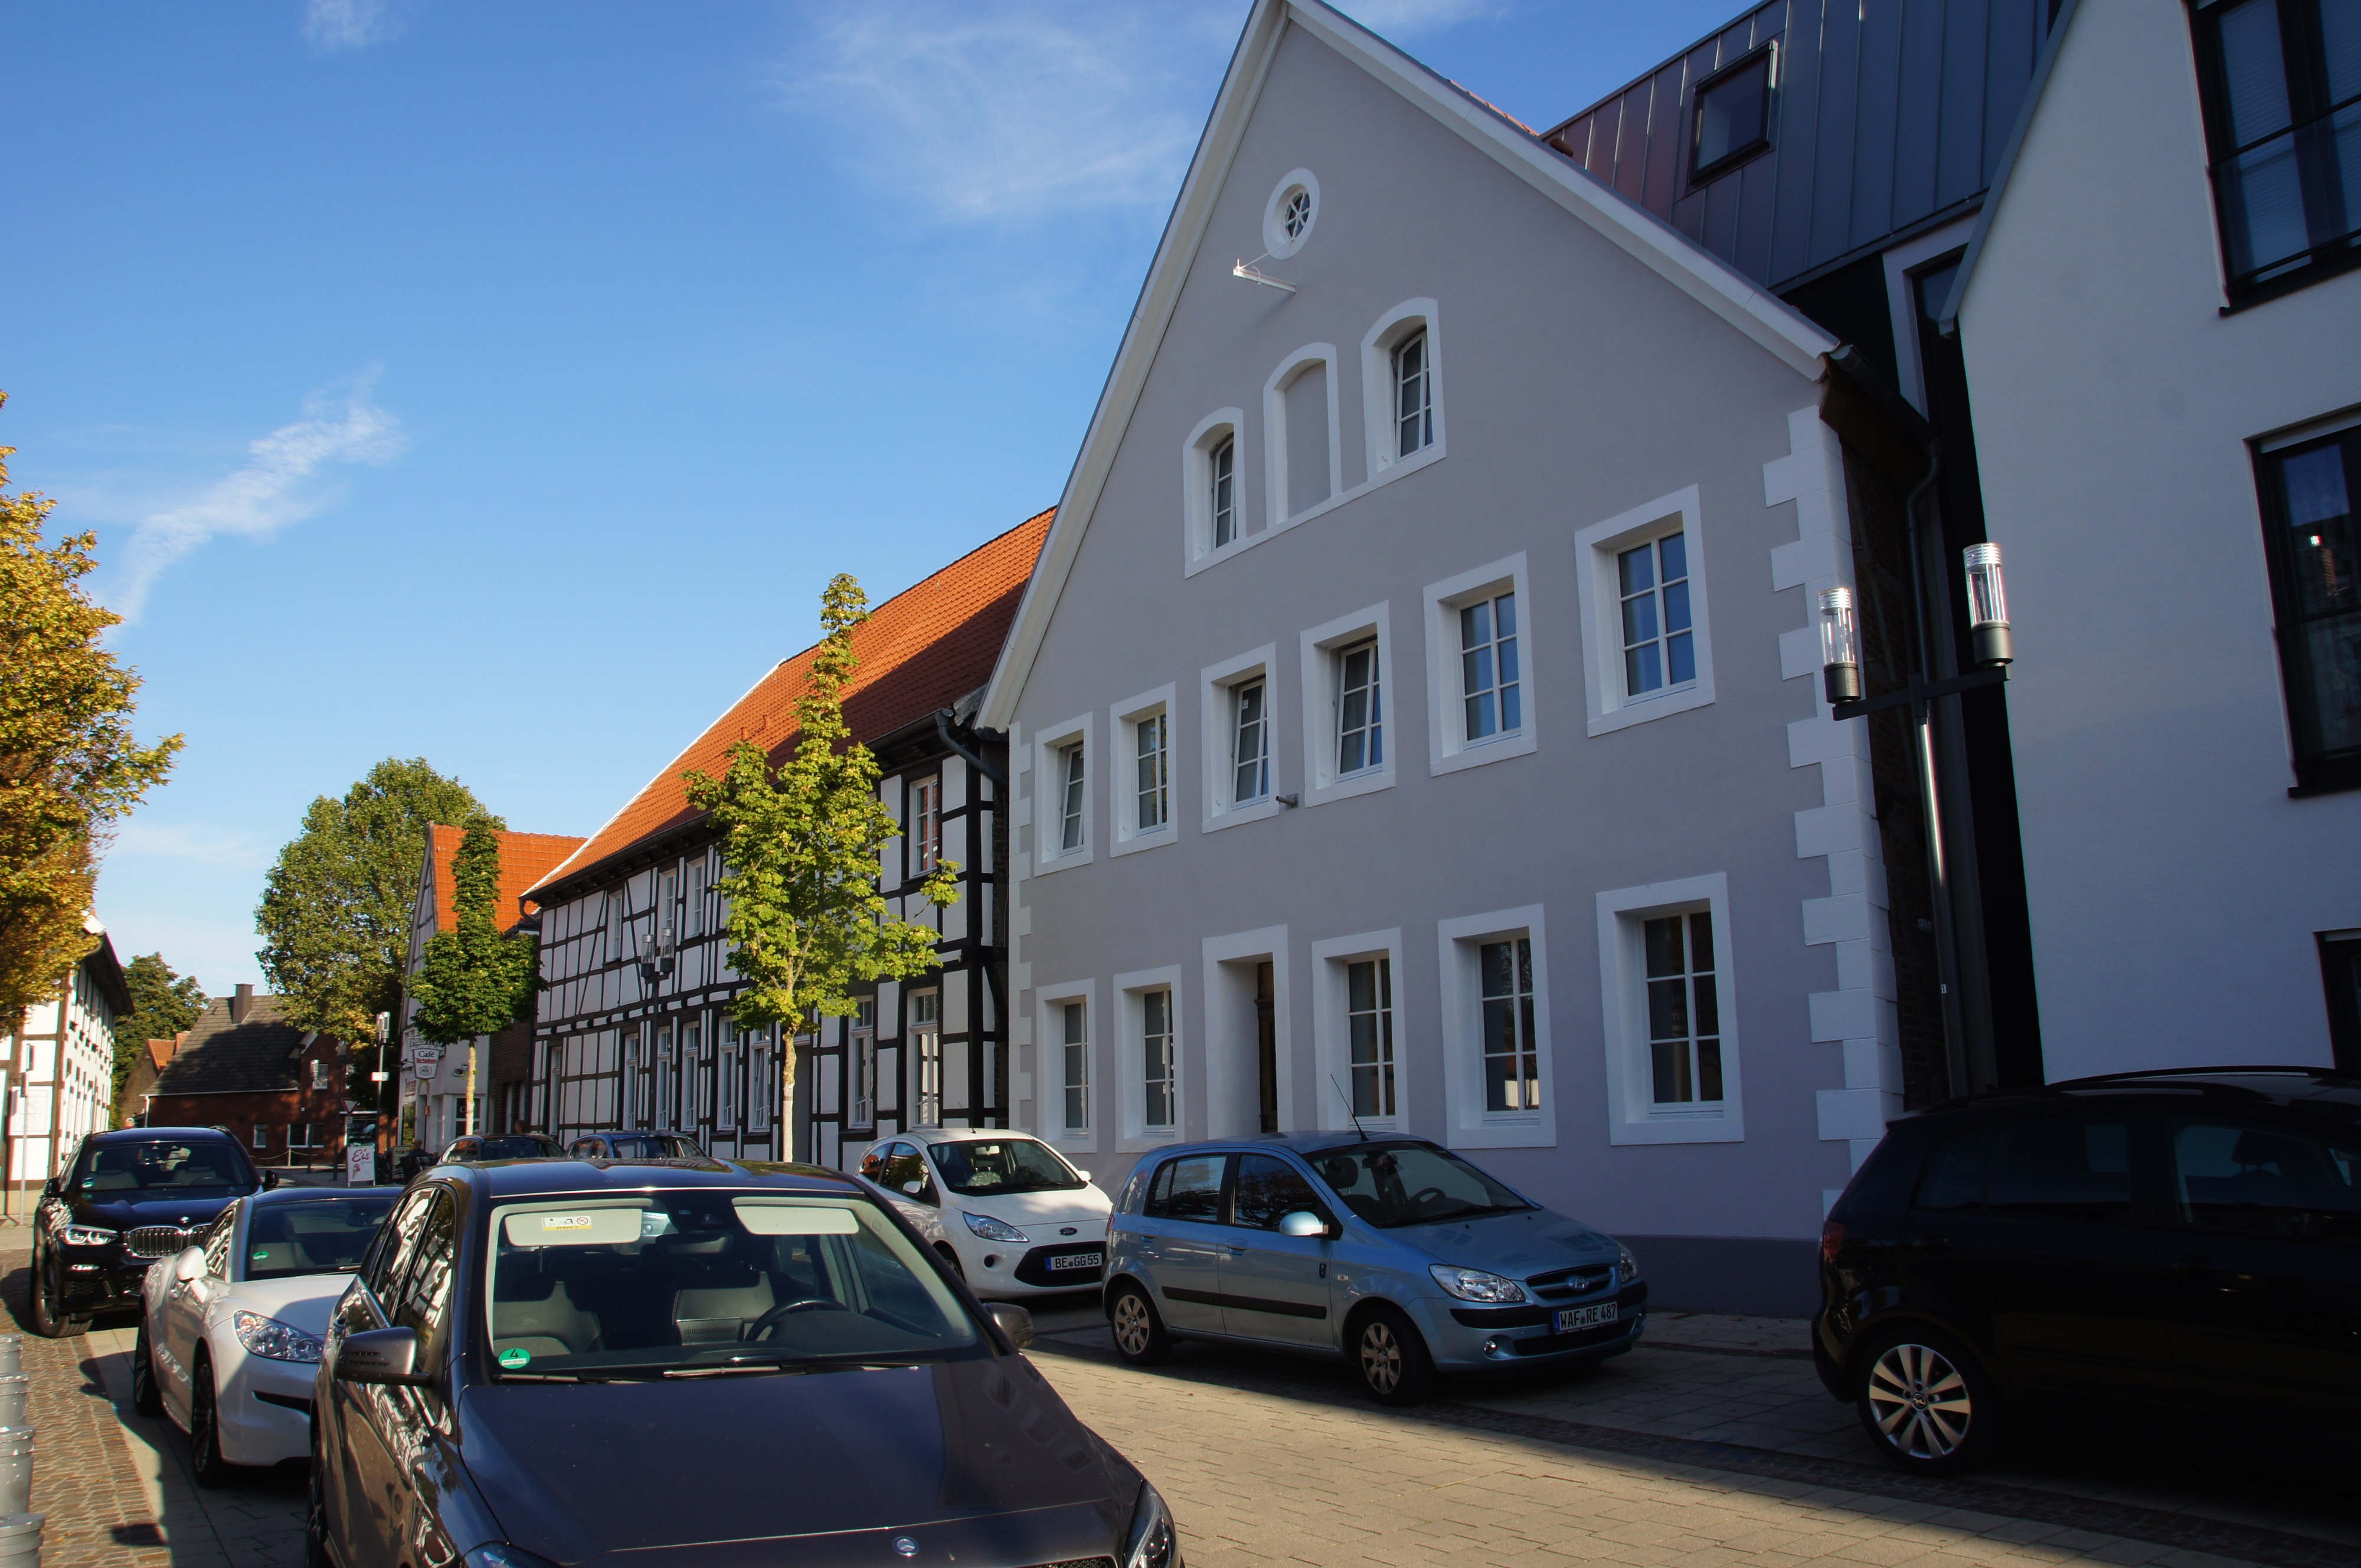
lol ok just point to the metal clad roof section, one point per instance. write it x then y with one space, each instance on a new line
1797 144
1917 124
1960 149
1835 168
1877 89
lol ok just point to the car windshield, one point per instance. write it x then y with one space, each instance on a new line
702 1283
513 1147
314 1235
654 1145
169 1165
985 1168
1395 1184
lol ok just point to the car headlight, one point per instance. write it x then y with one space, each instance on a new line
1475 1285
272 1340
1627 1267
501 1554
87 1235
992 1229
1153 1542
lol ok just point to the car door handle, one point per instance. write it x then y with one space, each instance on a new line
1235 1250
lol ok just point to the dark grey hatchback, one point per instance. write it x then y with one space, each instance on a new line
558 1362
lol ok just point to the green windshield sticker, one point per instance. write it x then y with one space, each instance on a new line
515 1357
262 1254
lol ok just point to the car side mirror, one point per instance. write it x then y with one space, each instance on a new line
49 1187
914 1187
190 1265
380 1356
1082 1176
270 1179
1302 1222
1012 1321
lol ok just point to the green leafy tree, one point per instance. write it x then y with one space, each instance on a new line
801 841
472 980
162 1004
335 918
70 766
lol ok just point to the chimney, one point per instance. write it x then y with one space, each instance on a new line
240 1004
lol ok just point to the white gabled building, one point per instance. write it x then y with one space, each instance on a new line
60 1065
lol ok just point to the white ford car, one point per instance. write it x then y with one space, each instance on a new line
230 1329
1006 1209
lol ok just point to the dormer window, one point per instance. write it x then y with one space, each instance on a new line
1733 115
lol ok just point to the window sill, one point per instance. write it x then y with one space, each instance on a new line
1723 1126
1498 749
1141 1143
1155 839
1535 1132
1400 468
1041 867
1655 705
1367 782
1259 811
2294 282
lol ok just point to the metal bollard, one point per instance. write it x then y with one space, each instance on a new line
12 1354
20 1539
15 1473
15 1401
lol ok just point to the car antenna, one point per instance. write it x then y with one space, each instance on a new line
1350 1114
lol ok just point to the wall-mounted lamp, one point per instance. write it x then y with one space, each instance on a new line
1987 605
1839 646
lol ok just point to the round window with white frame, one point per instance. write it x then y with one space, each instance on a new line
1294 208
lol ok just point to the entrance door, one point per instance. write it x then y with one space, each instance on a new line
1267 1046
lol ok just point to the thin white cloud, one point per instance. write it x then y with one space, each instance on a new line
274 490
334 25
188 842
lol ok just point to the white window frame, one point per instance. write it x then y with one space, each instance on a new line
1198 549
1599 588
1274 424
1276 241
1448 750
926 848
1332 1042
1124 720
917 1034
1222 1052
858 1034
1468 1125
1050 794
1631 1113
1049 1001
1377 388
727 1041
1320 646
1216 704
1127 1046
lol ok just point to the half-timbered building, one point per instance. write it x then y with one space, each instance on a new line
633 1027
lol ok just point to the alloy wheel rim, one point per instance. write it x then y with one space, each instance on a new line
1920 1402
1380 1358
1131 1325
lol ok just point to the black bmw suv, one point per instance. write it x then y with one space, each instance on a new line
131 1197
2168 1250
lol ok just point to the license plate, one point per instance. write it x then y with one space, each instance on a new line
1573 1320
1077 1260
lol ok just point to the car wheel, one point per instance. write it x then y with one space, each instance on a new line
1391 1357
1139 1336
205 1431
958 1270
1926 1403
145 1397
315 1514
47 1322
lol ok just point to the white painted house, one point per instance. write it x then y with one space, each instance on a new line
61 1064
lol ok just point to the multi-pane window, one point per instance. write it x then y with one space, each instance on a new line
2315 550
1683 1013
925 825
2282 81
322 1073
1360 709
1074 1041
668 911
1071 797
725 1114
635 1084
926 1045
1152 772
696 1084
1370 1025
1489 684
1298 215
1512 1063
1413 396
692 923
761 1081
865 1062
1659 647
1157 1107
1250 741
1222 490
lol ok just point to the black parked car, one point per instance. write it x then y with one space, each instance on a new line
639 1145
2168 1250
567 1361
131 1197
501 1146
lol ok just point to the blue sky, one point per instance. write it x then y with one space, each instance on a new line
498 384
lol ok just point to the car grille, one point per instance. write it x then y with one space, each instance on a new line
160 1241
1568 1283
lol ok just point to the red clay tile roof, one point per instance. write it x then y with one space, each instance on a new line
160 1051
922 650
525 859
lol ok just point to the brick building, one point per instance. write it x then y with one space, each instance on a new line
277 1089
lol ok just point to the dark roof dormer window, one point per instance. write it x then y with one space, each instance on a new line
2281 83
1732 114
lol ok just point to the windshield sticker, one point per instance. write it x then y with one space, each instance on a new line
514 1357
776 1218
574 1227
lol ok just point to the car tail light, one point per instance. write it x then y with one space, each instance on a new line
1832 1236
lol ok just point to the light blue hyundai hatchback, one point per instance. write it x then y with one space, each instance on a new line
1389 1252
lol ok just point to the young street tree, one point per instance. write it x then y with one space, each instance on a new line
334 917
162 1004
801 843
70 766
473 980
